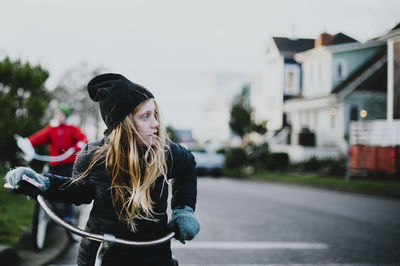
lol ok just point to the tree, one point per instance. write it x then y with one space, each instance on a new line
23 101
172 133
241 121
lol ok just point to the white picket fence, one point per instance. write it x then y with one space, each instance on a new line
299 154
375 133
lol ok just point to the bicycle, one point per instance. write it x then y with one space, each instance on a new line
106 240
40 219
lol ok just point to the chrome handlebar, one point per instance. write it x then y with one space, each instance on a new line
97 237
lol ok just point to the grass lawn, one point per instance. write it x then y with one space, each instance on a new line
15 214
372 187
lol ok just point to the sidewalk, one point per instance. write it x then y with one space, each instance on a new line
56 242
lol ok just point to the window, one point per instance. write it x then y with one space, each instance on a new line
354 113
340 69
290 80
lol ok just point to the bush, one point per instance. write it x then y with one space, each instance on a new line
258 156
328 166
235 158
311 165
278 161
255 157
336 167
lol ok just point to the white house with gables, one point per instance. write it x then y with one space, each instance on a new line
341 78
278 80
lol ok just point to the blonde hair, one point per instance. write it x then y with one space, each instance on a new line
133 169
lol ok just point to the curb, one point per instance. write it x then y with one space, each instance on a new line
56 243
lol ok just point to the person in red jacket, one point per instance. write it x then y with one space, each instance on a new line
61 137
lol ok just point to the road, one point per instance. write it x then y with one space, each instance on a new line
260 223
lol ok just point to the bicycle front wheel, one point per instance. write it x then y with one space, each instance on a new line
81 215
39 227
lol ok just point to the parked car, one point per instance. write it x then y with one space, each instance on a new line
208 162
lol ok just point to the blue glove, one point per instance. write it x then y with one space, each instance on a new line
184 224
33 185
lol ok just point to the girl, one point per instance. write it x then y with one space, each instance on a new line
127 174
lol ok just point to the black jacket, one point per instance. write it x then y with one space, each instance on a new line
103 218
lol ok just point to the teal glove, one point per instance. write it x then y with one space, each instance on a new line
184 224
30 187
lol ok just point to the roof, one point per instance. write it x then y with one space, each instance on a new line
397 27
340 38
337 48
299 45
288 47
373 82
393 33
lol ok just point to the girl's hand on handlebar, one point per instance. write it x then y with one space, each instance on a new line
27 181
185 225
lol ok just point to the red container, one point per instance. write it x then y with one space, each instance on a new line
372 158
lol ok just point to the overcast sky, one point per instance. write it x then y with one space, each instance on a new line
176 48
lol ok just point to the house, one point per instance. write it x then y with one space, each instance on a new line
343 80
278 80
375 144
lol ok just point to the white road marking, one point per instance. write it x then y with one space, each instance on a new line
293 264
249 245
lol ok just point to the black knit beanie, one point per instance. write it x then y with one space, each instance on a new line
117 97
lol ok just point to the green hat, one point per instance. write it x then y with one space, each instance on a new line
65 108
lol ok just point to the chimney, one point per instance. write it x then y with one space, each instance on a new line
324 39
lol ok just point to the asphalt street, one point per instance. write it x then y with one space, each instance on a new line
261 223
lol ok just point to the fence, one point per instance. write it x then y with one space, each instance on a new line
375 133
374 145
